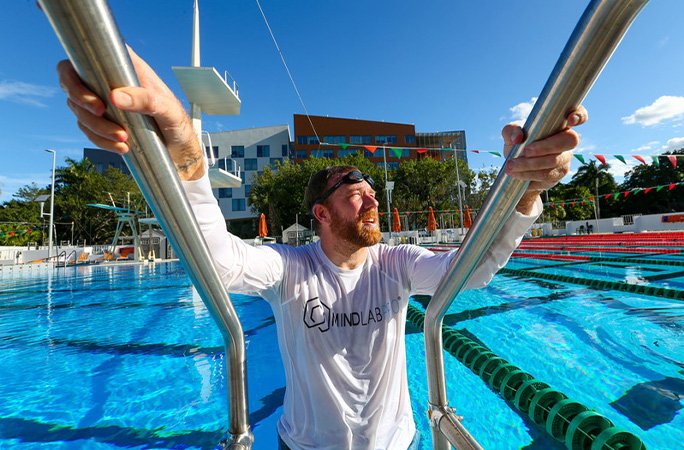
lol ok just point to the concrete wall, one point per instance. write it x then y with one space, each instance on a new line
623 224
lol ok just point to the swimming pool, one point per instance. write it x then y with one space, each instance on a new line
109 357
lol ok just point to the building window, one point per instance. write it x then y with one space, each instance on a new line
346 152
248 189
225 192
273 161
386 139
250 164
237 151
335 139
285 150
214 151
410 139
360 140
243 176
392 165
368 154
301 154
263 151
322 153
405 152
307 140
238 204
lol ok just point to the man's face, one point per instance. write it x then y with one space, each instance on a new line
354 213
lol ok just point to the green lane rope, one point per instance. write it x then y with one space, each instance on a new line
654 291
566 420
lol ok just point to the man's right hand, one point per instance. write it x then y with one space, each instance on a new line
153 98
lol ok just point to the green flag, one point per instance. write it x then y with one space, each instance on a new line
621 158
581 158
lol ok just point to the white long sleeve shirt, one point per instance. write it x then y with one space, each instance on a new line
340 332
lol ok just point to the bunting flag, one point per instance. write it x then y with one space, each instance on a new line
399 152
12 233
615 195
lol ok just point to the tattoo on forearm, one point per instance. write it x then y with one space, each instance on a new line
188 164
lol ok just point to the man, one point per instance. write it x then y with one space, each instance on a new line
340 304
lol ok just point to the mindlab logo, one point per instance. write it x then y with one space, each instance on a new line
317 314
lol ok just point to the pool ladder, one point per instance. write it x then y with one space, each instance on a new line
93 43
91 39
591 44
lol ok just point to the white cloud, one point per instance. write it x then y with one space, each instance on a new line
647 147
664 108
674 144
10 185
520 111
25 93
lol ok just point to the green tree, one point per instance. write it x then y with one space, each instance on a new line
20 221
596 178
655 201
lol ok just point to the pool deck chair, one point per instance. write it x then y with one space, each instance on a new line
91 39
591 44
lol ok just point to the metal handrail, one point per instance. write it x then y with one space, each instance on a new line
591 44
89 35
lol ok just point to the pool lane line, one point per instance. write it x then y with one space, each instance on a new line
564 419
631 259
654 291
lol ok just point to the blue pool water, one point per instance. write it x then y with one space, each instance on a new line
126 357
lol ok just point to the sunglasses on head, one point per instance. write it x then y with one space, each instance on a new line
352 177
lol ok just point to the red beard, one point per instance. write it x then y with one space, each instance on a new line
354 231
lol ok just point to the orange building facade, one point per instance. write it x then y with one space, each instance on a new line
333 137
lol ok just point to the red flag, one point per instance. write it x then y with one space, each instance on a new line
475 151
672 186
371 148
673 160
607 196
626 193
647 190
422 150
640 159
601 158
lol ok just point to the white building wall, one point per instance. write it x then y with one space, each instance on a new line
277 138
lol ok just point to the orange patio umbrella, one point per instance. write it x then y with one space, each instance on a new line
467 220
263 229
396 222
432 223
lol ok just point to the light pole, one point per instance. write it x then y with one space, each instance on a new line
458 188
388 188
52 201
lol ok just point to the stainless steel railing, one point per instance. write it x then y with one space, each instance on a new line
591 44
94 45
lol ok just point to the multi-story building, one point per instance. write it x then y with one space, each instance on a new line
245 153
334 137
356 135
442 140
102 160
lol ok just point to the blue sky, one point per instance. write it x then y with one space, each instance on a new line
440 64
